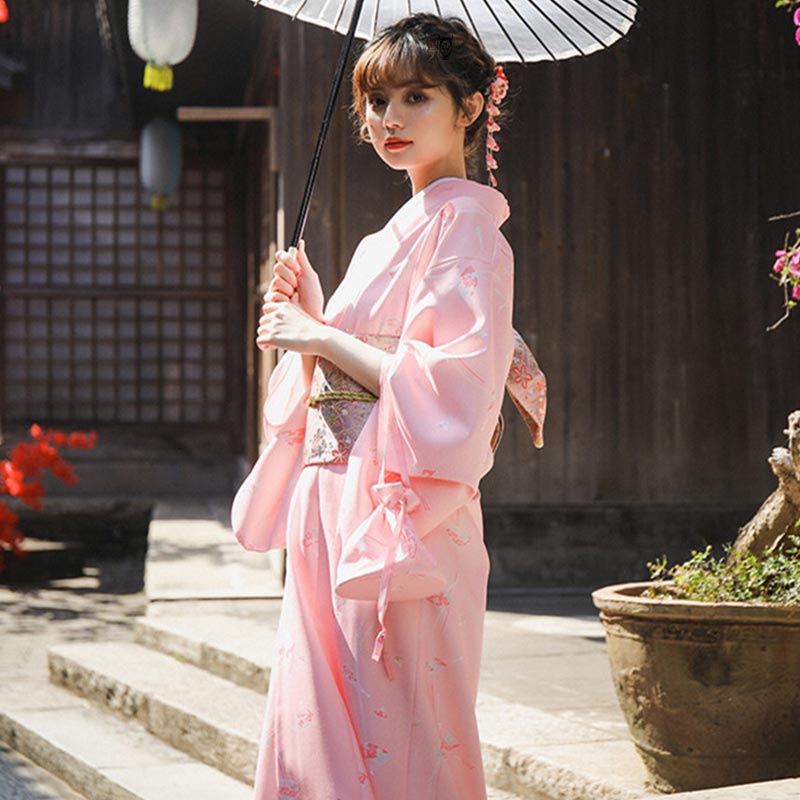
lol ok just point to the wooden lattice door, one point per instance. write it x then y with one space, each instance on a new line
110 311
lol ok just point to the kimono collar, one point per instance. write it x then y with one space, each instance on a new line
424 205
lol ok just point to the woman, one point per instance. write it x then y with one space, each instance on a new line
380 422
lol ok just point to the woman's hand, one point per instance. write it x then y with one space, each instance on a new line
287 325
297 280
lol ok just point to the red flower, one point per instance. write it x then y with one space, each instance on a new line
20 476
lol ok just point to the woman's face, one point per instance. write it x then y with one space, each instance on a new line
427 118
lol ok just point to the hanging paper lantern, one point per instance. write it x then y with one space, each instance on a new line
160 160
162 33
3 11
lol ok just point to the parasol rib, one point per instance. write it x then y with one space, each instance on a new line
555 26
472 22
630 3
578 22
503 27
339 14
374 27
601 18
525 23
298 10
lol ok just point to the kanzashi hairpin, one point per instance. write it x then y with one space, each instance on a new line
497 91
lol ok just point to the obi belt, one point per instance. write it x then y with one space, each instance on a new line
338 406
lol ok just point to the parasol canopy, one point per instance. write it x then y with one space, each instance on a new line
511 30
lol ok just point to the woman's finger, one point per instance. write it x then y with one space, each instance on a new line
280 285
302 258
288 258
285 272
275 297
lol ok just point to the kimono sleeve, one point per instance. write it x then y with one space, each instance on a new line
441 391
440 394
260 507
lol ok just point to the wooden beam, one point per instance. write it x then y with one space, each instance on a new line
224 113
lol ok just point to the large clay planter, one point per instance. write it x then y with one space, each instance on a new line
710 691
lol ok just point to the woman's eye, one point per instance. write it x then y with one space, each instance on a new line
374 100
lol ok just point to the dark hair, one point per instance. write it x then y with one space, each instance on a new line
436 50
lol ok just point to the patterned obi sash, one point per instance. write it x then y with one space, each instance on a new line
338 407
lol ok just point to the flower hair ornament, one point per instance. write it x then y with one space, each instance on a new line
497 91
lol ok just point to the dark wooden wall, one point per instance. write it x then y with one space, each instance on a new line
70 81
643 179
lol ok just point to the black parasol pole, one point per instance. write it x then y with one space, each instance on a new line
323 131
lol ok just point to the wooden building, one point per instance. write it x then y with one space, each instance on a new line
640 182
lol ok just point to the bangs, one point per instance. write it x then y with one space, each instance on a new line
395 63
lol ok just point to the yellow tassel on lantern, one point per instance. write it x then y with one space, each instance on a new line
158 77
158 202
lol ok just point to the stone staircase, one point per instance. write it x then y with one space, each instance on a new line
153 718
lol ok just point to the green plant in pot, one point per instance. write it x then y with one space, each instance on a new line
705 657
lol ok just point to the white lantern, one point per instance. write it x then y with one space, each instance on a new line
162 33
160 160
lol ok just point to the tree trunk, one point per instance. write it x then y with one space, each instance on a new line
779 513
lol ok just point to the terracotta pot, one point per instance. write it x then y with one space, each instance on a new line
710 691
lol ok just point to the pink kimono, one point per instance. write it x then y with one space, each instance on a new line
372 696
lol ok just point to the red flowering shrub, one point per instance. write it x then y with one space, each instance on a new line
21 477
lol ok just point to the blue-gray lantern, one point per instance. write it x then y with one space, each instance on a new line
160 160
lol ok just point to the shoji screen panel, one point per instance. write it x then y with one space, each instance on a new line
111 311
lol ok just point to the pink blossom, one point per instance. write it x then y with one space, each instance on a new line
779 262
796 291
797 17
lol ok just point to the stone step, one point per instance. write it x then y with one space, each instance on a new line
527 752
192 554
234 648
43 561
99 755
207 717
103 755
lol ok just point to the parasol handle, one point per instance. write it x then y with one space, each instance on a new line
323 131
